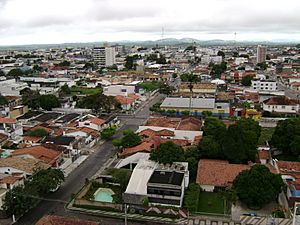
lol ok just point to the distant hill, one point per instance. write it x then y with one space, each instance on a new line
151 43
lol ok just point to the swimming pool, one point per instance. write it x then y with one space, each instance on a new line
104 195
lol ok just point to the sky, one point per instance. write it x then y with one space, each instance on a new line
69 21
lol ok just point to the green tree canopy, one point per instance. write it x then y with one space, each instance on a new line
221 53
214 127
2 74
246 80
48 102
47 180
210 148
15 73
167 152
30 98
107 133
166 89
258 186
121 176
130 138
65 90
3 100
286 136
38 133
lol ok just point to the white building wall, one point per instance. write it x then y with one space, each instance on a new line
281 108
208 188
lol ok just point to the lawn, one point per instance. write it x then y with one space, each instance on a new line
150 85
210 202
266 135
85 91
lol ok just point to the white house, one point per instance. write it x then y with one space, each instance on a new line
264 85
92 122
115 90
281 104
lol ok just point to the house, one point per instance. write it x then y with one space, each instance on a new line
264 85
197 89
88 135
11 128
290 173
92 122
161 184
196 106
48 155
119 90
214 174
127 102
281 104
64 141
60 220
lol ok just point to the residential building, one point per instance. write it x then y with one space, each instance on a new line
11 128
121 90
11 87
261 54
161 184
281 104
214 174
93 122
264 85
196 106
104 56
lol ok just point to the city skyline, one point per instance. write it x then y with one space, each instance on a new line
53 22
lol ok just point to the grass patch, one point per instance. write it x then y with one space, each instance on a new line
265 135
85 91
150 85
210 202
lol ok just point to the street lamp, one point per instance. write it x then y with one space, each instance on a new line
296 208
13 210
126 207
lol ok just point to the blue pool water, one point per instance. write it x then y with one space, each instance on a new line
104 195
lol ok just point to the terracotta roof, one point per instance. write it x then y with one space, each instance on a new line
163 122
33 139
7 120
124 100
59 220
218 172
134 96
189 123
27 165
143 147
288 166
9 180
49 156
281 100
97 121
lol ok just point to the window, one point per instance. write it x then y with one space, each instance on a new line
123 90
283 107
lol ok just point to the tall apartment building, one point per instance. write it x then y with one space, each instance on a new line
261 54
104 56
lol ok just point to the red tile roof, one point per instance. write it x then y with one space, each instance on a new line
97 121
218 172
47 155
124 100
9 180
143 147
7 120
288 166
59 220
263 154
281 100
163 122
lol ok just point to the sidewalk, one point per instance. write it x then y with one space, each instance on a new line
130 216
74 165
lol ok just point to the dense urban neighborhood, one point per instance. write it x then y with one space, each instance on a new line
150 134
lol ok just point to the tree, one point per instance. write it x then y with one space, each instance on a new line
64 63
258 186
192 156
2 74
166 89
210 148
221 53
130 138
286 136
174 75
246 80
38 133
192 197
130 62
167 152
47 180
121 176
19 200
48 102
3 100
65 90
107 133
30 98
218 69
214 127
15 73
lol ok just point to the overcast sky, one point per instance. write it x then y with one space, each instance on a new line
61 21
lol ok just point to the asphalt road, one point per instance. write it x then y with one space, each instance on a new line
75 181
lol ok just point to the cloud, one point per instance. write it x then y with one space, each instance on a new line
55 21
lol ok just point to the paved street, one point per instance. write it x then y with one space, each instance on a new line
77 178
